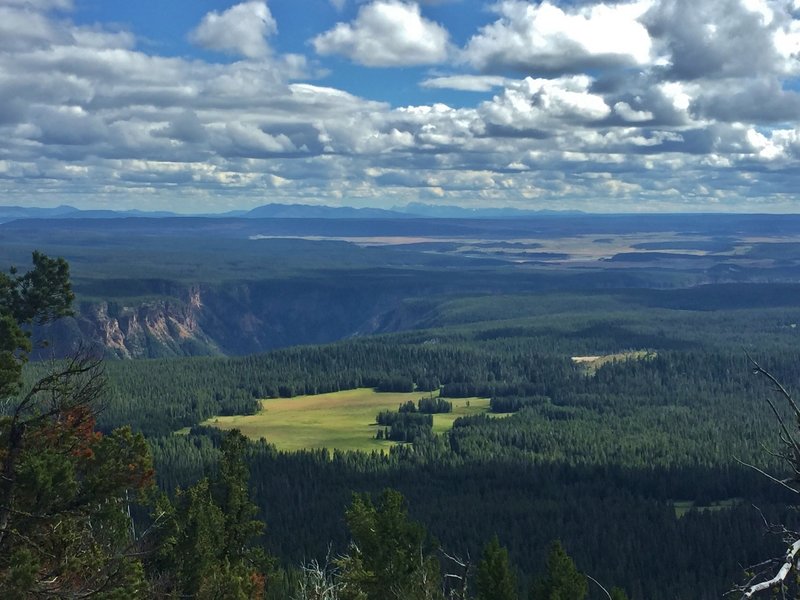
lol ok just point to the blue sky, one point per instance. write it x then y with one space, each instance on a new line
163 28
205 105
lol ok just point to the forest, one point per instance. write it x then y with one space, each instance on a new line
654 436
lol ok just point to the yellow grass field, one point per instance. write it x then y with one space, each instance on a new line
590 364
340 420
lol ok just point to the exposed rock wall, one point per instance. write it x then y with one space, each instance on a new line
237 319
159 327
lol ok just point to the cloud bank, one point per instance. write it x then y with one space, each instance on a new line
646 105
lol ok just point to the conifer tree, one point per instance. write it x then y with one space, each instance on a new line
232 495
562 581
618 594
205 548
390 557
495 579
199 548
65 529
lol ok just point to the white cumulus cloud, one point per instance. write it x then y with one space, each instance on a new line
387 33
541 105
242 29
724 38
624 110
544 37
465 83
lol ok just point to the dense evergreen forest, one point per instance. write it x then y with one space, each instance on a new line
630 465
600 460
592 459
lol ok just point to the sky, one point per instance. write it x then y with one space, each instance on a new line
209 105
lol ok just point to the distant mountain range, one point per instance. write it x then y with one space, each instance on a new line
12 213
287 211
457 212
307 211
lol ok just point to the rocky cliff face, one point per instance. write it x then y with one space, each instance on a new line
160 327
238 319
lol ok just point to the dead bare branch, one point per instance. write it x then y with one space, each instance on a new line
788 564
768 476
600 585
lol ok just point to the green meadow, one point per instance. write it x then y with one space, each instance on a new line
339 420
682 507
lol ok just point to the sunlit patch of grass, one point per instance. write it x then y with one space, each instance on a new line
590 364
683 507
339 420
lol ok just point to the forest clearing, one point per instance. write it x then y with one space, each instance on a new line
342 420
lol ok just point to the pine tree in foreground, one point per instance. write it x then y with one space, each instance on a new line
65 489
495 579
562 581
